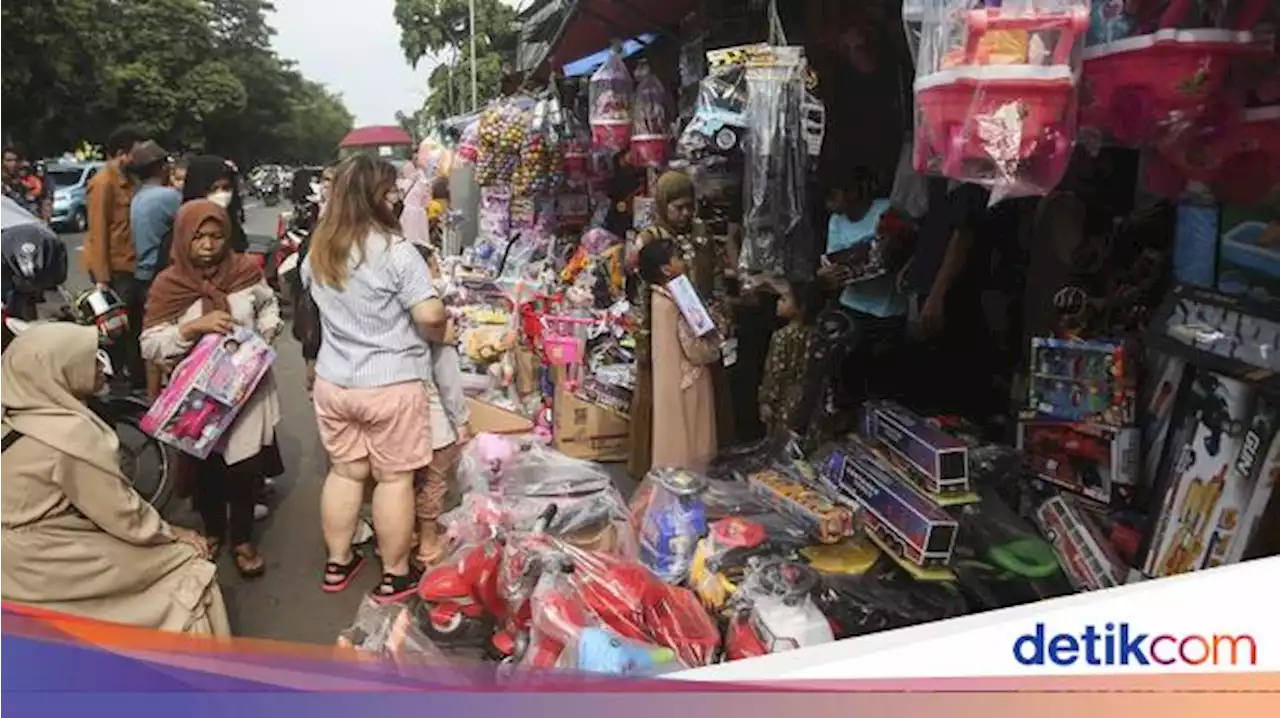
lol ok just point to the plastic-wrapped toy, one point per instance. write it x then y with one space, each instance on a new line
775 220
610 90
649 121
208 390
995 91
1145 73
719 122
776 611
388 631
502 131
671 519
1239 161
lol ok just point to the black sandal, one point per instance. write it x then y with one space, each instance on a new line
394 588
344 572
249 561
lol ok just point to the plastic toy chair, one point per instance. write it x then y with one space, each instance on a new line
1133 87
958 100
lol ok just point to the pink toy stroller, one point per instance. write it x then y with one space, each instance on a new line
1016 112
1134 88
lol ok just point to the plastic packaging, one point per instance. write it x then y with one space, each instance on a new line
671 519
776 605
649 123
610 90
775 220
388 632
719 122
995 90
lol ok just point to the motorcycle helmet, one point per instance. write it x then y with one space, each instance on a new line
34 258
104 309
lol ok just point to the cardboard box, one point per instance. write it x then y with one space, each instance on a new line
940 459
490 419
1096 461
1087 558
589 431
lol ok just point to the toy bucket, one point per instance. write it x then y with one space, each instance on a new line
575 165
649 151
611 134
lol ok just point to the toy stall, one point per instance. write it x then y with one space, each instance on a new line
1143 434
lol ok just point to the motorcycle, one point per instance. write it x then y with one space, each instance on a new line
143 459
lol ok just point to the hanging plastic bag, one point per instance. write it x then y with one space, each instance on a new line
610 91
995 91
649 121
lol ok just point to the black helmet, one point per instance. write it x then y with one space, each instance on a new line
35 258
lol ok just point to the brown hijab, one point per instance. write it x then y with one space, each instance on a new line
183 283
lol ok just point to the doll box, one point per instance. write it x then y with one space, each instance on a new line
1090 381
207 391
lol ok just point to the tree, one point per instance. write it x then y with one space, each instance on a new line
441 27
196 74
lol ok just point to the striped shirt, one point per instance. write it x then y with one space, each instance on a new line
369 337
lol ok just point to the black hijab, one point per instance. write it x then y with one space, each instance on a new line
203 171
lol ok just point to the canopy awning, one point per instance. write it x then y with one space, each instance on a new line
375 136
564 30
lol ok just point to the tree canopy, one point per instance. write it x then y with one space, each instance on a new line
440 28
199 75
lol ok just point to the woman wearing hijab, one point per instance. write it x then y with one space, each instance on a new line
674 220
77 538
211 289
213 178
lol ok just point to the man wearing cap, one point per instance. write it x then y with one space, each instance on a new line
151 214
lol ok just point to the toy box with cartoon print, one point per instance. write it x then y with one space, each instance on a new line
1082 381
895 513
1093 460
940 460
1217 479
1083 552
208 390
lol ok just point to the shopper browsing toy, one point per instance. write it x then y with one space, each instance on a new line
684 400
784 373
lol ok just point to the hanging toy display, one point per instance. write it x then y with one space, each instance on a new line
649 121
469 143
502 134
541 154
610 91
995 90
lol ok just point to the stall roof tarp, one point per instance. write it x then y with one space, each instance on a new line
588 64
376 135
577 28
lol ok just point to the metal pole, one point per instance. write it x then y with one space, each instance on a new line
475 96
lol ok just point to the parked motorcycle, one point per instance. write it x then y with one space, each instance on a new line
143 459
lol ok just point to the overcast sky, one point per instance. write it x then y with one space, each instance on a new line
354 49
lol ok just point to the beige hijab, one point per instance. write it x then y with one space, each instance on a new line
46 371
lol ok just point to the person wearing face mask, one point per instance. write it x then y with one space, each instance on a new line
211 289
77 537
211 177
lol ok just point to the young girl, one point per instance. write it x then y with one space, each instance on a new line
788 357
684 406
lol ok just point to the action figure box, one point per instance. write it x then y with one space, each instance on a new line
1096 461
1167 378
1086 381
1217 480
897 515
1231 335
941 460
1084 553
207 391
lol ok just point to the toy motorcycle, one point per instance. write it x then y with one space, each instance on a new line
777 612
673 520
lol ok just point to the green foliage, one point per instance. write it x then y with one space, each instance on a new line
440 29
198 75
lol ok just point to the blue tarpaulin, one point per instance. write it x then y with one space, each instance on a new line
587 65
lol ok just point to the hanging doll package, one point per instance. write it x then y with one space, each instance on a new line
611 91
996 90
649 121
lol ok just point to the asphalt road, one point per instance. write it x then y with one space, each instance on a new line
287 602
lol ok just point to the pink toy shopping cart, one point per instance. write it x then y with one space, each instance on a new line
1134 88
564 341
1240 164
1002 117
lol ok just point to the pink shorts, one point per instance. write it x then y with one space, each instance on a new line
390 426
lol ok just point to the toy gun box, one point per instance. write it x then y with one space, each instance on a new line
893 510
827 520
208 390
1233 336
1089 561
1089 381
941 460
1092 460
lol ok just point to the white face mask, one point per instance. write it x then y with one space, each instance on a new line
221 198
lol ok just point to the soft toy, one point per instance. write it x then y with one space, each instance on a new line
485 345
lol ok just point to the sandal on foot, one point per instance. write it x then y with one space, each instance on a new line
215 547
394 588
249 562
337 576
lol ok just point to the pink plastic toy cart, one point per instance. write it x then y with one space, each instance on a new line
564 343
1017 116
1134 88
1240 165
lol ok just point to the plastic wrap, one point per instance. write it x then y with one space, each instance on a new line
775 219
719 122
995 91
671 519
775 610
502 131
486 329
388 631
649 123
541 166
610 90
884 598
